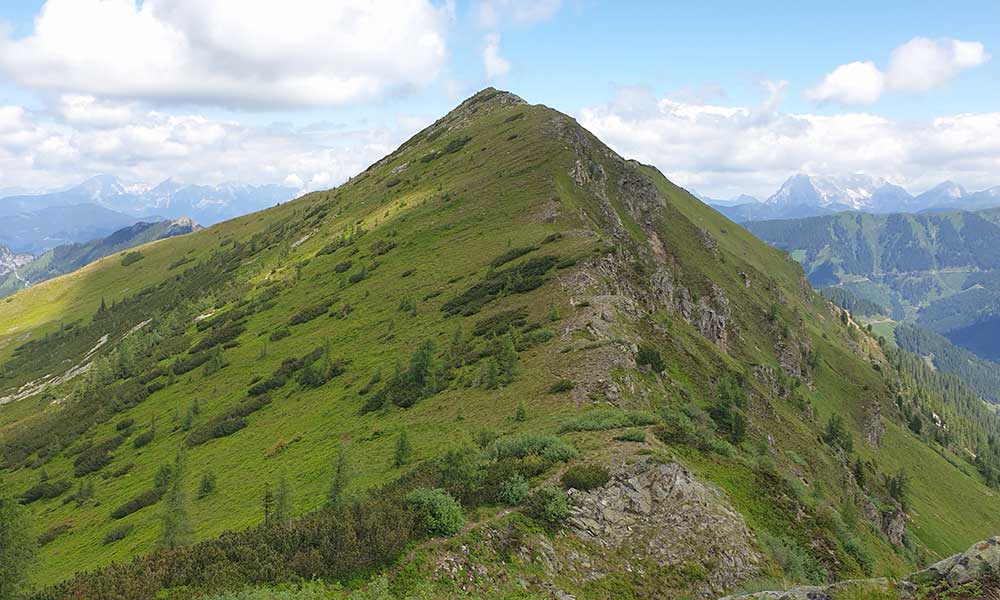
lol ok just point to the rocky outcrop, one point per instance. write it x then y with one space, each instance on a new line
894 525
851 589
974 573
661 514
874 427
10 262
980 561
715 316
710 315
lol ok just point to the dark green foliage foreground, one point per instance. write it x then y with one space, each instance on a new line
445 360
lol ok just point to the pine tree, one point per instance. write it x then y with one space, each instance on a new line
17 546
506 358
521 415
268 505
458 349
341 476
176 531
859 472
207 485
403 449
282 503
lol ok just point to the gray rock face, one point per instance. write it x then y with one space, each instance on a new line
982 559
826 592
662 512
874 427
894 526
979 564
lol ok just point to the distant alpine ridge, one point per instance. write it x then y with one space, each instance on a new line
812 195
18 271
206 204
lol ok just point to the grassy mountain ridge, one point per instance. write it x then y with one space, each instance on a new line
505 271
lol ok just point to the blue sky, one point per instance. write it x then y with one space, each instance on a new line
724 97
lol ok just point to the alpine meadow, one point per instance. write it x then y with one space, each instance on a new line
298 302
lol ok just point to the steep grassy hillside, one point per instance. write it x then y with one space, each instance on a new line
501 306
938 270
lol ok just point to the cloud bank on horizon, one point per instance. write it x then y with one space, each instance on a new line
309 93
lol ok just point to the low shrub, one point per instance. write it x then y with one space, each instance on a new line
796 563
50 534
380 247
512 254
550 447
649 356
132 258
599 419
228 422
513 490
280 334
136 503
548 505
45 490
563 385
308 314
437 513
632 435
144 438
585 477
116 534
500 323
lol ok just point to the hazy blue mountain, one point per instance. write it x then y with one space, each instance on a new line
46 227
169 199
26 270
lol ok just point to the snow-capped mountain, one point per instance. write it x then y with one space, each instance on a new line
850 192
945 193
206 204
811 195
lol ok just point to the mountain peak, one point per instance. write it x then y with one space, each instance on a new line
482 102
944 191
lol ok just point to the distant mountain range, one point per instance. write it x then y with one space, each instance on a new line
18 271
811 195
938 270
104 204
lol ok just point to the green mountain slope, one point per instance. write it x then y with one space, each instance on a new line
522 306
939 270
70 257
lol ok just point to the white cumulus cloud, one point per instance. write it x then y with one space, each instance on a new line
234 53
917 66
80 136
727 150
922 64
853 83
495 65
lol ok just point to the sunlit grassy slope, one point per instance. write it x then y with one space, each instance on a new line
493 176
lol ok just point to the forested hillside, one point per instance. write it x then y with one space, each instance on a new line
938 270
501 362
